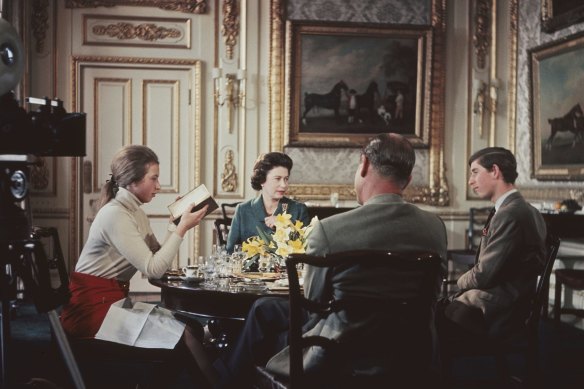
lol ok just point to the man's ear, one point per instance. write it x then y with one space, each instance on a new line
496 171
364 165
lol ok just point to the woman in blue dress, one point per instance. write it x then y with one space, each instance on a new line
270 177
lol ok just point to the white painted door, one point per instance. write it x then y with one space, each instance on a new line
153 103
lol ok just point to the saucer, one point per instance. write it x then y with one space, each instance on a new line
193 280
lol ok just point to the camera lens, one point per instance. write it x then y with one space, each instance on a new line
18 185
7 55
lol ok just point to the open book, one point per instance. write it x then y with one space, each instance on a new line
200 196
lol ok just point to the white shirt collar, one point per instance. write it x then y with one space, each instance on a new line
502 198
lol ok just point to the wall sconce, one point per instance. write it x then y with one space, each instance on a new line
234 94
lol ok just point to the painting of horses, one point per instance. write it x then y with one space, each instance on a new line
557 79
349 82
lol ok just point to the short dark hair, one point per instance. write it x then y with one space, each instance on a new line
392 156
267 162
499 156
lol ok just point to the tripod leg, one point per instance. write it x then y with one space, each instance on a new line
4 325
66 350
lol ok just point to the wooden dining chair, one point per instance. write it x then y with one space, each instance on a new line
397 341
222 230
572 279
460 260
226 209
525 341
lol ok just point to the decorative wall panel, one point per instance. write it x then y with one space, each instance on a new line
127 31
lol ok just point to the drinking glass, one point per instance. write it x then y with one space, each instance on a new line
223 265
210 272
237 259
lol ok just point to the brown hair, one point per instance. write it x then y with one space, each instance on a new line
267 162
499 156
129 165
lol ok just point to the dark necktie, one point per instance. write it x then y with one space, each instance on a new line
485 230
488 222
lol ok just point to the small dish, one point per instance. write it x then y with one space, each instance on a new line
192 280
255 286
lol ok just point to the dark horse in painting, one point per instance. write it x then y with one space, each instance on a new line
366 101
330 100
573 121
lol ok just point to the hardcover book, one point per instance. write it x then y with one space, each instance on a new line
200 196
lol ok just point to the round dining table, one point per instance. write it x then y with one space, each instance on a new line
196 299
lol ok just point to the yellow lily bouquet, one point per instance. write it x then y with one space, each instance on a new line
265 252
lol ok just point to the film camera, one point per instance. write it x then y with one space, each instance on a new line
48 131
24 137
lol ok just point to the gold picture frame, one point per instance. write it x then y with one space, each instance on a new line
557 109
559 14
432 192
370 79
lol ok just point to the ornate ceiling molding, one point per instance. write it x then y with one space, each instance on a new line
187 6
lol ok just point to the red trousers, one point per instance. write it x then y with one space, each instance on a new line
90 300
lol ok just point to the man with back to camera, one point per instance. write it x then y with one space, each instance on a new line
384 221
495 293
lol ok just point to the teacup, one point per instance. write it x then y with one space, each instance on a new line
190 271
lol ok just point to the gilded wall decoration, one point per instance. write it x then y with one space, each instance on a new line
136 31
143 31
230 27
481 35
187 6
229 175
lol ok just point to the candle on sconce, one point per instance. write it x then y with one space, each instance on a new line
216 72
494 87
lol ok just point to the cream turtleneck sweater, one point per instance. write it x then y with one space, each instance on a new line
121 242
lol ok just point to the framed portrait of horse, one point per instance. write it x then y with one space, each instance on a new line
350 81
557 105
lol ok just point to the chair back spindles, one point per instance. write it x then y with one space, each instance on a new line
222 230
